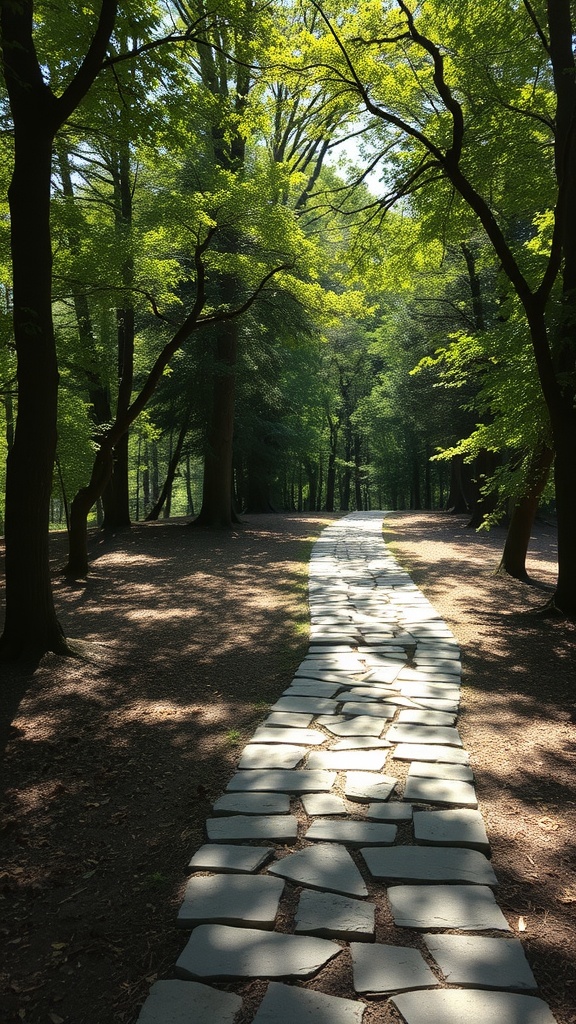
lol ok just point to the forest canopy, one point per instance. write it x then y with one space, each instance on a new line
283 256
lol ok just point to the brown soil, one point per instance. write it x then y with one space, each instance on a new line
112 761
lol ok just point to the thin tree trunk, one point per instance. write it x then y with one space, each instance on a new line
522 519
172 467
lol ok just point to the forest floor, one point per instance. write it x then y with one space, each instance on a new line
112 762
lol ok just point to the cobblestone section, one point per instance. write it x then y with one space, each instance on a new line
355 790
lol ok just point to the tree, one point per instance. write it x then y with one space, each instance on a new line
38 113
445 117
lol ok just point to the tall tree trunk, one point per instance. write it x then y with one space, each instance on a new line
524 512
189 498
116 497
216 511
357 472
172 467
31 625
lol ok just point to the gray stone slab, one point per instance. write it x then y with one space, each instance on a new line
370 709
365 787
310 688
275 827
362 725
439 735
473 1007
413 717
279 781
334 663
436 704
305 737
249 901
324 866
268 755
323 803
287 1004
252 803
428 660
352 833
311 705
219 857
459 827
479 961
332 915
392 811
344 760
431 752
426 770
376 691
219 951
429 864
384 969
361 743
180 1002
280 719
470 908
424 689
440 791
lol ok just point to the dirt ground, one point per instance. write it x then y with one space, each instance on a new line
112 762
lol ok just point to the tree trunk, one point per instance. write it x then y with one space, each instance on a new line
116 494
216 511
84 500
357 473
565 482
172 467
31 625
189 498
520 527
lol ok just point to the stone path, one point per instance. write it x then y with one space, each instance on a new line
354 800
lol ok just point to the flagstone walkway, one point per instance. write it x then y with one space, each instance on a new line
356 790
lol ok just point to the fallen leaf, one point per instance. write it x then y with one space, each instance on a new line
521 924
56 1019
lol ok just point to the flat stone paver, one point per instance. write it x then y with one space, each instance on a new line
352 833
360 726
287 1004
180 1002
344 760
220 857
367 787
369 709
300 687
480 961
305 737
428 770
276 827
268 755
472 1007
323 803
219 951
311 705
252 803
454 827
280 719
445 864
324 866
277 780
361 743
430 752
411 717
392 811
380 968
334 916
463 907
440 791
249 901
437 734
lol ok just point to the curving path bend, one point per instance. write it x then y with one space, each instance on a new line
353 803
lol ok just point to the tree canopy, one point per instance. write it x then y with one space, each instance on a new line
292 256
